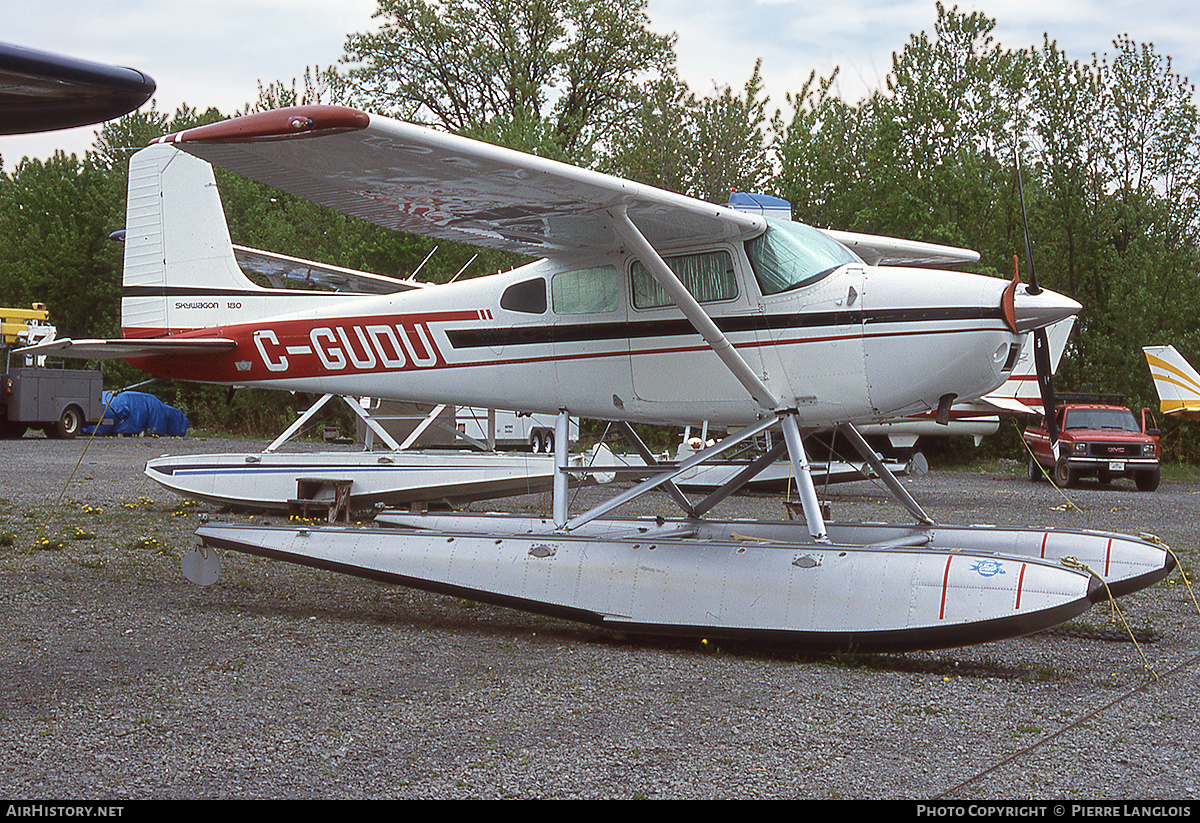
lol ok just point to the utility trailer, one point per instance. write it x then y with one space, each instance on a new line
456 426
512 430
32 395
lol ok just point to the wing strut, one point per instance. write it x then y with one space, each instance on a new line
884 473
692 310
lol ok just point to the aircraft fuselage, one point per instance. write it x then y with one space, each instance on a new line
593 338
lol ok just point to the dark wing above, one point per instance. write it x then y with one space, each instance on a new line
40 91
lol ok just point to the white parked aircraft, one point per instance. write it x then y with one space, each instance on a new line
645 306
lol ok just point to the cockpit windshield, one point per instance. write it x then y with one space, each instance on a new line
790 255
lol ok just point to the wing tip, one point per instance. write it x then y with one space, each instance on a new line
277 124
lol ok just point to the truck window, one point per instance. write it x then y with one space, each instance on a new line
1112 419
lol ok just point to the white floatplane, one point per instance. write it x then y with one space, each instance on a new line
645 306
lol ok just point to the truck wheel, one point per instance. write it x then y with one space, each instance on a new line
1064 475
1035 471
70 422
1147 481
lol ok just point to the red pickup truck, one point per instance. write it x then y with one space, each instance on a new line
1096 438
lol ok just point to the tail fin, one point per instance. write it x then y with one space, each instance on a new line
1175 380
180 272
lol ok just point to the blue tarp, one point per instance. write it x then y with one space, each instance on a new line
134 412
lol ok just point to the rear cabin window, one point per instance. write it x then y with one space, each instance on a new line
708 276
528 296
585 291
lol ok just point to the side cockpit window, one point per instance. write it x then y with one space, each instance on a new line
709 277
586 291
528 296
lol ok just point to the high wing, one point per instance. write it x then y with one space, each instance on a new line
413 179
876 250
281 269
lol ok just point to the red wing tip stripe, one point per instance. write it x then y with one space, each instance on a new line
307 121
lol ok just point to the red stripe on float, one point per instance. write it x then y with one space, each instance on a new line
945 584
1020 584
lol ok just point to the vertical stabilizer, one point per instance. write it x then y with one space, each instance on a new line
179 263
1175 380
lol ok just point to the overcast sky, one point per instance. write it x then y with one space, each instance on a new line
214 52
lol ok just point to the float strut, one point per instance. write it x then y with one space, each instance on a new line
804 481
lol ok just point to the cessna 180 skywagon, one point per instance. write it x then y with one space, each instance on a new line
644 306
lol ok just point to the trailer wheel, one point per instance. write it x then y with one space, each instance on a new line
535 441
69 424
549 442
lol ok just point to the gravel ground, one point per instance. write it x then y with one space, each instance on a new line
124 681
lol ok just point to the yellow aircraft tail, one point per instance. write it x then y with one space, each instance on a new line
1175 380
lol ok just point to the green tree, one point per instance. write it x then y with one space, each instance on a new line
702 147
55 218
550 76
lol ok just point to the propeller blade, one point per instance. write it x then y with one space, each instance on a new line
1041 360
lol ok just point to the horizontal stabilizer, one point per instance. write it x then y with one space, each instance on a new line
117 349
1007 405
